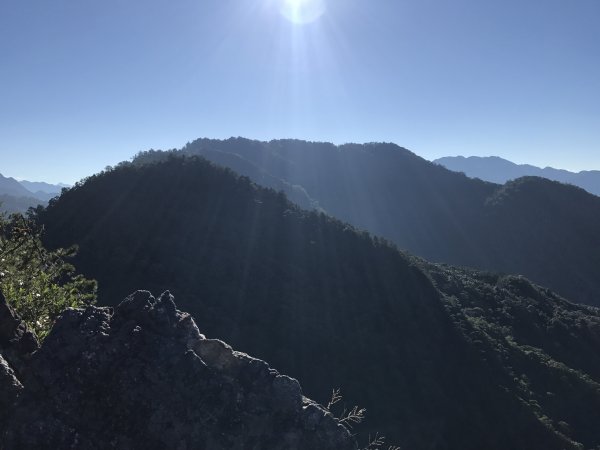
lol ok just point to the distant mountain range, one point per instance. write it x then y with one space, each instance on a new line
18 196
40 186
498 170
544 230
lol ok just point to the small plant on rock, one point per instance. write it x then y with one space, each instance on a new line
354 416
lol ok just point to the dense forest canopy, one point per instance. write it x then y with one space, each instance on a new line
429 350
546 231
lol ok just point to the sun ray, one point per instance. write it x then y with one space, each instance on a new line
302 11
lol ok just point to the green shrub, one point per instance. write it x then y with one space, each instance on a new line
38 283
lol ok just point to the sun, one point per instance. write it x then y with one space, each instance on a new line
302 11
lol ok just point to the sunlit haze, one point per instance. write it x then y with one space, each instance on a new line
85 84
302 11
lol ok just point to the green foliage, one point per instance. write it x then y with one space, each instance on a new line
38 283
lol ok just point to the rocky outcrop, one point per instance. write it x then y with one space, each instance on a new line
17 342
142 376
10 388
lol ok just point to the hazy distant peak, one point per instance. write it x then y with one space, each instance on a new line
41 186
18 196
10 186
499 170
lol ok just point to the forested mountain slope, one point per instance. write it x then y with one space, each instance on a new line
12 204
546 231
441 358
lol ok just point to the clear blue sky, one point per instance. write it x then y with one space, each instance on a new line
87 83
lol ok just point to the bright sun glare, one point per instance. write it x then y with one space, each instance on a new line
302 11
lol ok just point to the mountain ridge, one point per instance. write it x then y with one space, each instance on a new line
10 186
425 348
499 170
19 196
424 208
42 186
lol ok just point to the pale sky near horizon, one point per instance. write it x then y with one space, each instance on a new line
85 84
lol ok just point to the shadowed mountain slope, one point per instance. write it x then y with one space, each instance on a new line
430 211
430 351
12 204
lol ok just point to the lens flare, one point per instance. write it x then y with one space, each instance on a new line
302 11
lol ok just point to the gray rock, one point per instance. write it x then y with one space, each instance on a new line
10 388
142 376
17 342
